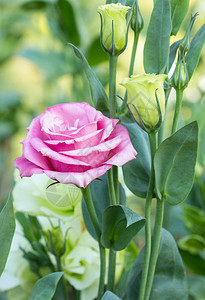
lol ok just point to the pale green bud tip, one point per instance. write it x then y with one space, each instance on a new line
113 27
142 90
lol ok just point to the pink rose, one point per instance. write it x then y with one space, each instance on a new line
74 143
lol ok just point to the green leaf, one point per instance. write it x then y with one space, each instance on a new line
194 262
120 225
172 52
110 296
194 219
7 228
179 10
175 164
99 97
101 200
192 243
169 280
193 54
96 55
67 19
196 285
137 172
156 49
45 287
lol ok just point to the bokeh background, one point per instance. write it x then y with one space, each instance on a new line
38 69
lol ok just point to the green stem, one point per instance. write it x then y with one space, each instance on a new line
91 209
111 187
112 85
153 146
102 271
116 183
62 291
161 132
179 97
155 246
134 49
111 270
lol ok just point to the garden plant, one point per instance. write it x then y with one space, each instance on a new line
78 236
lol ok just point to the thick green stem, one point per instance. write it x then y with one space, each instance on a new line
179 97
116 183
91 209
112 85
153 146
111 187
155 246
111 270
134 49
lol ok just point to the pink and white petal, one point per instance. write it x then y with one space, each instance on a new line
124 152
26 168
91 139
41 147
79 179
34 131
102 147
108 125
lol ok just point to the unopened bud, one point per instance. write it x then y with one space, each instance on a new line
137 22
146 99
114 27
180 78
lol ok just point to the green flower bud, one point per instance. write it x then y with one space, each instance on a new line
113 27
146 99
137 22
180 78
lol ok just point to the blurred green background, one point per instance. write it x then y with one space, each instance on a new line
38 69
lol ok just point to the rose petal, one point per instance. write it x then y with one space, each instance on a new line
26 168
34 130
108 125
46 151
125 151
79 179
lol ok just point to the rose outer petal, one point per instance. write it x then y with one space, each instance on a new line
26 168
79 179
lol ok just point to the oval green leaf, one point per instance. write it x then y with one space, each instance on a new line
137 172
156 49
120 225
7 228
45 287
169 280
174 164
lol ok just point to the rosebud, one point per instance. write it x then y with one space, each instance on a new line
180 78
137 22
146 99
113 27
